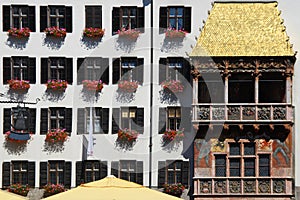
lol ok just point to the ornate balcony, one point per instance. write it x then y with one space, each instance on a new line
247 112
250 186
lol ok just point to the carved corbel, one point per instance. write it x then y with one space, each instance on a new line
271 127
256 72
289 71
256 128
287 128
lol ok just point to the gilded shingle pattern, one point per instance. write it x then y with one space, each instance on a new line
243 29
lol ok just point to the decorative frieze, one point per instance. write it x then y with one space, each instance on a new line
205 186
279 186
235 186
220 186
264 186
249 186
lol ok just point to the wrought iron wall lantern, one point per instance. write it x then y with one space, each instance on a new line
19 129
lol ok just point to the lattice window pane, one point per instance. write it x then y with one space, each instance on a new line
235 167
264 165
234 149
249 164
220 165
249 149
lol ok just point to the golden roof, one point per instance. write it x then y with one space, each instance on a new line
243 29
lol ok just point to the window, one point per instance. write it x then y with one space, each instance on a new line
174 68
57 68
175 17
242 154
130 170
54 118
272 88
241 88
90 170
55 172
18 16
59 16
21 68
93 69
93 16
18 172
171 172
128 18
128 68
100 120
29 116
128 117
211 88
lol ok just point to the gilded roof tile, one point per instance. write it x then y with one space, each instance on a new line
243 29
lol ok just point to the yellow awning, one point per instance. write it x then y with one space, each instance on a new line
10 196
243 29
111 188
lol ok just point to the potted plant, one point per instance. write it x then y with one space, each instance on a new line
173 33
56 135
127 135
51 189
93 86
19 189
18 85
57 85
172 135
174 86
128 86
56 32
174 189
19 32
130 34
93 32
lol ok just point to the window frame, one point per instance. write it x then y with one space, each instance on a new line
176 118
93 9
56 171
19 172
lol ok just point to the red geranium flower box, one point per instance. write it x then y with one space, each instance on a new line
57 85
174 189
56 135
19 189
174 86
19 32
170 135
19 85
173 33
127 135
95 86
131 34
56 32
128 86
93 32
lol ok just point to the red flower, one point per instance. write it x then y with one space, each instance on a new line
174 189
173 33
19 189
127 135
58 85
93 32
92 85
174 86
56 32
19 32
131 34
20 85
170 135
128 86
56 135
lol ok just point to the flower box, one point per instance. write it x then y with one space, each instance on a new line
57 85
56 32
93 32
130 34
7 138
18 85
19 189
128 86
94 86
19 32
127 135
174 86
173 33
170 135
52 189
56 135
174 189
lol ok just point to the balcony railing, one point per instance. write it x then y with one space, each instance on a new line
243 112
266 186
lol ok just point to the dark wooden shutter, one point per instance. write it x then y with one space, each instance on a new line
139 175
93 16
32 121
31 174
140 120
115 168
80 70
79 173
162 69
6 18
44 121
141 19
185 173
115 20
68 120
68 19
7 119
32 70
138 72
31 18
162 120
68 174
6 69
105 70
187 19
161 173
89 16
186 70
115 120
43 18
103 169
6 174
163 19
116 70
80 121
105 120
43 173
69 70
44 70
